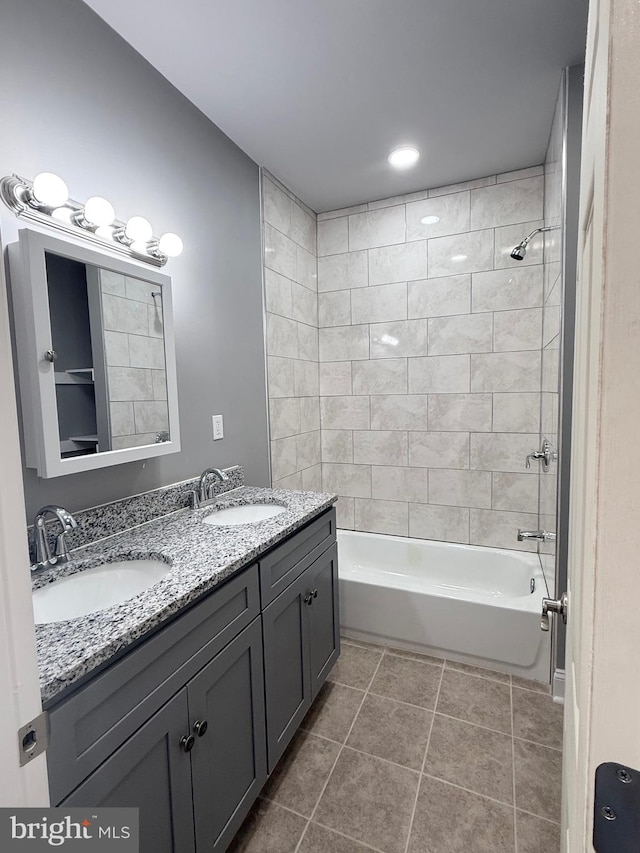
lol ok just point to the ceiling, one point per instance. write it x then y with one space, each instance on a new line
320 91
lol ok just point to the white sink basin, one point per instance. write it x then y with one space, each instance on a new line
92 590
245 514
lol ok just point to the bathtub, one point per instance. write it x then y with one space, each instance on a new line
464 602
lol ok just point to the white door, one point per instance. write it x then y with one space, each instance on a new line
19 691
602 712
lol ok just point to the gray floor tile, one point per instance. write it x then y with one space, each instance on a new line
392 730
503 677
355 666
333 711
538 779
471 757
407 680
527 684
268 829
535 834
319 839
405 653
476 700
537 717
301 773
369 800
449 820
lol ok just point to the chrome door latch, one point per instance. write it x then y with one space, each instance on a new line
552 605
33 738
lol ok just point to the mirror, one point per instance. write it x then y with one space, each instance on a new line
95 356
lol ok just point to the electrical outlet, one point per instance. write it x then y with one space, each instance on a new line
218 428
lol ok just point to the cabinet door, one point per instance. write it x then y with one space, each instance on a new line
323 617
152 772
229 760
286 666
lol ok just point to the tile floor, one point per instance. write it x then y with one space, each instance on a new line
403 753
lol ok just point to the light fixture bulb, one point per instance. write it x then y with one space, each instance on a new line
138 229
104 231
170 245
62 214
430 220
404 157
49 190
98 211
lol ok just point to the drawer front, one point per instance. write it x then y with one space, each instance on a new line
92 723
286 562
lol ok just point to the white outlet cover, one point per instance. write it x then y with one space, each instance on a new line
218 427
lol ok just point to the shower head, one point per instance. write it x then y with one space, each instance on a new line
520 250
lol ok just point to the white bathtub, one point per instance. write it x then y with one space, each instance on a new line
464 602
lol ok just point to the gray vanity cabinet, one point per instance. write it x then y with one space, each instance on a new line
150 772
228 761
301 642
187 725
200 760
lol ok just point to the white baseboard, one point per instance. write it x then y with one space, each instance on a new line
558 685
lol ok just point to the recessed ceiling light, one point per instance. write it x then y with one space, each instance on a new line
430 220
405 157
459 257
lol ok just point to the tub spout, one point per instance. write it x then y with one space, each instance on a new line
540 535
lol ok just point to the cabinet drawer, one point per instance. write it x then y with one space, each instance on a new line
88 726
286 562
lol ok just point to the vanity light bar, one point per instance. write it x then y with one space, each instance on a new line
46 201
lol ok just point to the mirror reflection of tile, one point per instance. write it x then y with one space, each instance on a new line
134 347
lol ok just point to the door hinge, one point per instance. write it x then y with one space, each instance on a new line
616 820
33 738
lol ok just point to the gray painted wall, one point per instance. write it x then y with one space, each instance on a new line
77 100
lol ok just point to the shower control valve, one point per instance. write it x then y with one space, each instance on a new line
547 455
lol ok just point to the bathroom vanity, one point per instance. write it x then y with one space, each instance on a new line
187 719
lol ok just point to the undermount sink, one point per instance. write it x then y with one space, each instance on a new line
95 589
245 514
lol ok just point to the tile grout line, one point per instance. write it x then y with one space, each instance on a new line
424 761
340 751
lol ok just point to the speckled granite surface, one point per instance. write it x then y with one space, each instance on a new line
107 519
201 556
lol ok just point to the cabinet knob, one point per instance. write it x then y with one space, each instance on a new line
187 742
308 599
314 593
200 727
51 355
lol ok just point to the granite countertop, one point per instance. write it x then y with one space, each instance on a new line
200 555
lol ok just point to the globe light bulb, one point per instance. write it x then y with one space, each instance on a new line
49 190
63 214
98 211
170 245
138 229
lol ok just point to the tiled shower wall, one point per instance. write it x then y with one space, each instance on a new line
552 302
291 304
430 340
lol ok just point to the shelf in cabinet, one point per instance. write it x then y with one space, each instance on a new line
76 376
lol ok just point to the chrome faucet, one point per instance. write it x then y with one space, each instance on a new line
44 557
540 535
203 492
